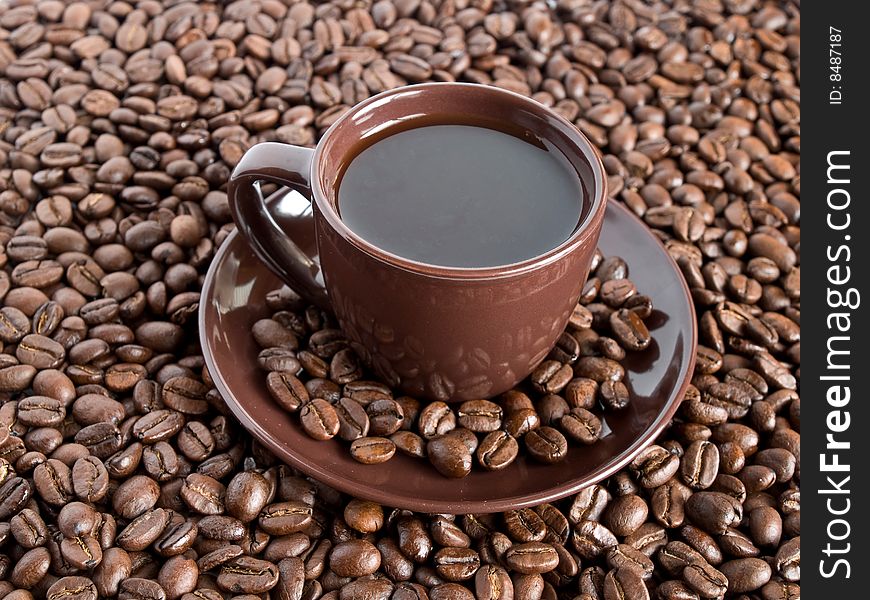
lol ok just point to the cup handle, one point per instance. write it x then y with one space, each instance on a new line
289 166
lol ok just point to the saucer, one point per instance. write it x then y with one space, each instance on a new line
233 299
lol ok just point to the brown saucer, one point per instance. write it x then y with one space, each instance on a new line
232 300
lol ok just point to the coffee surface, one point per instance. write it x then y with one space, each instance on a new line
461 196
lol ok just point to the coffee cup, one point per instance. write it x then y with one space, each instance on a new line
437 332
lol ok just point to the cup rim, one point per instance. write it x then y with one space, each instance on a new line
580 235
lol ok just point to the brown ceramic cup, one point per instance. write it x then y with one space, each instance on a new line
441 333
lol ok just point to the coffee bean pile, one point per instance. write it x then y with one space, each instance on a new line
562 400
121 475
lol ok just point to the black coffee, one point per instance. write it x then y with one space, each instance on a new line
461 196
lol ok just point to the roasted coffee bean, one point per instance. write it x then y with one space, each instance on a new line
588 504
625 514
178 576
414 539
613 395
28 529
746 574
410 591
73 588
551 377
248 575
353 420
186 395
599 369
246 495
16 378
624 556
456 564
366 517
668 503
524 525
409 443
218 557
787 561
82 552
41 411
77 518
30 568
551 408
675 590
492 582
53 482
624 583
14 324
707 581
385 417
319 419
546 444
581 393
480 415
40 351
283 518
286 389
354 558
143 530
220 527
765 526
528 586
135 496
450 455
581 425
372 450
291 579
90 409
115 567
446 532
714 511
436 419
177 538
676 555
138 588
700 464
654 466
158 425
558 529
497 450
101 439
630 330
203 494
531 558
567 349
590 539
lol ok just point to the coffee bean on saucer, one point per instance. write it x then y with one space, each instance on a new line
409 443
319 419
497 450
546 444
436 418
450 455
286 389
353 421
480 415
581 425
372 450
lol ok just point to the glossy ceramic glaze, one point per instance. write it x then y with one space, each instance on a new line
232 300
436 332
